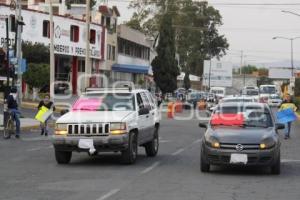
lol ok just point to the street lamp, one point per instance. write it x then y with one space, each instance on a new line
292 50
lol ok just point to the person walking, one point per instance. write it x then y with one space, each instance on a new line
12 106
50 105
287 104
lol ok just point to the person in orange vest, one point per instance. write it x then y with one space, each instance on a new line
288 104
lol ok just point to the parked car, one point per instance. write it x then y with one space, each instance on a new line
109 120
274 100
243 134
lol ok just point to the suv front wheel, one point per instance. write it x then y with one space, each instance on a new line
130 154
63 157
151 147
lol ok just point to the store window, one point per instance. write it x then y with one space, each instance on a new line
12 19
74 33
46 28
92 36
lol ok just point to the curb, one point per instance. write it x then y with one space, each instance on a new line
31 105
29 128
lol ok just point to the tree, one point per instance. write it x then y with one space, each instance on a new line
263 72
195 24
164 65
249 69
186 81
37 75
35 53
297 87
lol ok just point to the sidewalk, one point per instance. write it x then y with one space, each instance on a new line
26 123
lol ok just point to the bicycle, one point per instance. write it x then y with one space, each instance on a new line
10 127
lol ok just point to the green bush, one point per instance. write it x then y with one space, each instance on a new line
37 75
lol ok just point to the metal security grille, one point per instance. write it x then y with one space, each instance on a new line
88 129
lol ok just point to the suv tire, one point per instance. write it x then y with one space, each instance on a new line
63 157
275 169
204 166
130 154
151 147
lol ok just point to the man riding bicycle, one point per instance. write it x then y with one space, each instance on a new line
12 106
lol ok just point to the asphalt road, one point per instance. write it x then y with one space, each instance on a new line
29 172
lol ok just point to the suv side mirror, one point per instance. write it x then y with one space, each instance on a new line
202 125
279 126
144 111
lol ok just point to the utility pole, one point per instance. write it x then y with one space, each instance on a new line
18 53
242 57
87 54
292 57
52 64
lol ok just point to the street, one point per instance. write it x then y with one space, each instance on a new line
29 171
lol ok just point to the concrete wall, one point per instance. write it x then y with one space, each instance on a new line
238 81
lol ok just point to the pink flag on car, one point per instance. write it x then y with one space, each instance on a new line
89 104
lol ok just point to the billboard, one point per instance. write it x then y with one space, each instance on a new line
33 32
220 73
280 73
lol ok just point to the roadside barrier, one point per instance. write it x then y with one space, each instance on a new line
170 111
178 107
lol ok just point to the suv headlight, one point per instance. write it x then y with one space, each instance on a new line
267 143
212 142
61 129
118 128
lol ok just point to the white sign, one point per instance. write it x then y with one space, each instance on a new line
280 73
218 73
33 32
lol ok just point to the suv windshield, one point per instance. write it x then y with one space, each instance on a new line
248 116
105 102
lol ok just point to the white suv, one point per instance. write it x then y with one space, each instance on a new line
109 120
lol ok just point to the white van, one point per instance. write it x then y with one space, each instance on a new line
265 91
220 92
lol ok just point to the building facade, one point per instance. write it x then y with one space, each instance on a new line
134 57
69 43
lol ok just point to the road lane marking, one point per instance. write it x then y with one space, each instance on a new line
178 152
36 139
289 160
197 141
109 194
164 141
40 148
148 169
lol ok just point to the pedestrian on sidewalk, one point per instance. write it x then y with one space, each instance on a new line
12 106
287 104
50 105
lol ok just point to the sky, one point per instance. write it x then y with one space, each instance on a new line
251 28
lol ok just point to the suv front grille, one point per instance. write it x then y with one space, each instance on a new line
88 129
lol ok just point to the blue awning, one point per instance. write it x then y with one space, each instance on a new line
136 69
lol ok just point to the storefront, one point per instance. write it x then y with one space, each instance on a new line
69 45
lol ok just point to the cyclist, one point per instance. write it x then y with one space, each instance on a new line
12 106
